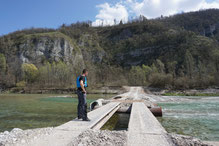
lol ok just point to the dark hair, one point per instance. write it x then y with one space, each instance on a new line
84 71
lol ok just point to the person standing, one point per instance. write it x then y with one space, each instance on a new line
82 93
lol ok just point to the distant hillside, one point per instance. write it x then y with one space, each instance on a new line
205 22
180 51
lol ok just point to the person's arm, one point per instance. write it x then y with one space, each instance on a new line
82 86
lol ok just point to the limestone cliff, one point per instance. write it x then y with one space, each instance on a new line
38 48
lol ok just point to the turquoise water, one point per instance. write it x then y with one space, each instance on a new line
28 111
194 116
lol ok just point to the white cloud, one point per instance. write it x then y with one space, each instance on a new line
149 8
156 8
108 13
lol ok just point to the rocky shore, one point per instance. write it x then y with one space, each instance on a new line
37 90
115 90
19 137
22 137
183 92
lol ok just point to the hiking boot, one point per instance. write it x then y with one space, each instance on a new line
87 119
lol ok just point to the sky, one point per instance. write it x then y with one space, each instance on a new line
22 14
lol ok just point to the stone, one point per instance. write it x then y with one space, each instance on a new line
6 132
23 141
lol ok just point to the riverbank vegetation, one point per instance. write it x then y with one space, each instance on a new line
167 52
190 94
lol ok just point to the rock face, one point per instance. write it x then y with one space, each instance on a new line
90 49
133 57
37 50
95 56
211 30
139 56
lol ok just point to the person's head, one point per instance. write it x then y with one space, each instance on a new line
85 72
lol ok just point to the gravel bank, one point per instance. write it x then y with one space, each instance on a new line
182 140
119 138
100 138
19 137
22 137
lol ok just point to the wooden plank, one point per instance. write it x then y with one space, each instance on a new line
144 129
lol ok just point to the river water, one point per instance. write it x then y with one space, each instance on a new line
195 116
28 111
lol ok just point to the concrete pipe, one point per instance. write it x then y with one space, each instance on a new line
155 104
96 104
156 111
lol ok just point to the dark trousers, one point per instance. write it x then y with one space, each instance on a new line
82 105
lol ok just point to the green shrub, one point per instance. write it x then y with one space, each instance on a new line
2 63
21 84
30 72
181 83
161 80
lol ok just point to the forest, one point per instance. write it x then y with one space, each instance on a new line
176 52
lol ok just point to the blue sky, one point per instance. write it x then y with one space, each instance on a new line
20 14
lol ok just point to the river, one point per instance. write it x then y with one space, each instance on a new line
195 116
27 111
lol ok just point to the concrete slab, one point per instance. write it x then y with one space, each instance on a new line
144 129
64 134
95 116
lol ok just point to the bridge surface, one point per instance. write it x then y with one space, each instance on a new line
64 134
143 128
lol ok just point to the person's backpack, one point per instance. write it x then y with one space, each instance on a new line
78 82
